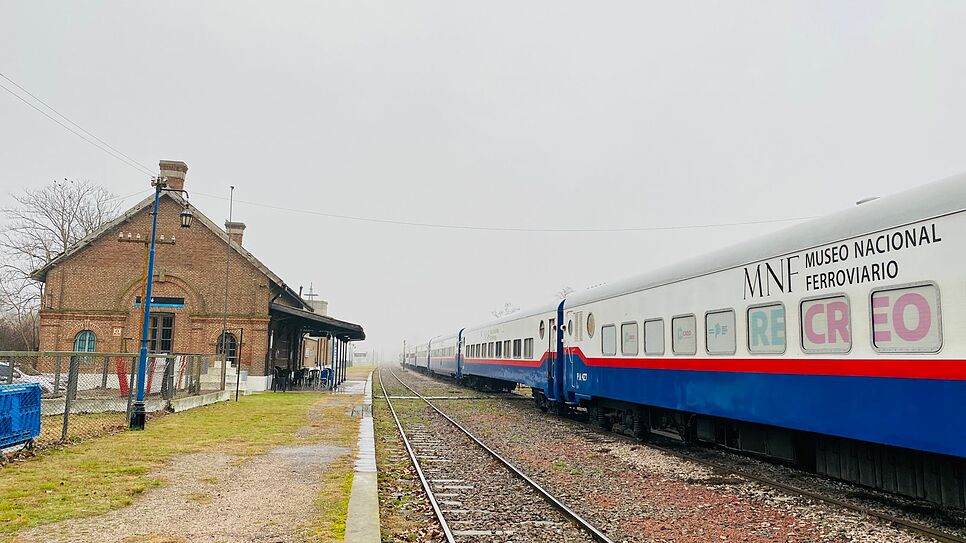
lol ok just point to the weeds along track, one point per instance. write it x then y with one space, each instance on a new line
475 494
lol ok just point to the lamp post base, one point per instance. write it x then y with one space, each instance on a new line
137 416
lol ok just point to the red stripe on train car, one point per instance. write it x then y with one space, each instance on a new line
919 368
905 368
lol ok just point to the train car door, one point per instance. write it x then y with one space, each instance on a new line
459 356
551 358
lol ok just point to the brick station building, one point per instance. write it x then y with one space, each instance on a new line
92 293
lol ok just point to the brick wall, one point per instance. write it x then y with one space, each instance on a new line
95 289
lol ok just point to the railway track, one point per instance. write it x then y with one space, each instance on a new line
475 493
905 524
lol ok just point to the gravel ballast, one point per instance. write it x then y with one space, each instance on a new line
637 493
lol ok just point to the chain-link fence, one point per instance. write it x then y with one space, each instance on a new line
86 395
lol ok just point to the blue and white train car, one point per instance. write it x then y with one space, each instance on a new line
837 344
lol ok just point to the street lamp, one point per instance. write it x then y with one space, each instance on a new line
160 184
186 216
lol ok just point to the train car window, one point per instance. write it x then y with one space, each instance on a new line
499 349
591 325
826 325
907 319
654 337
517 348
684 335
543 329
528 348
629 340
766 329
608 340
719 330
506 348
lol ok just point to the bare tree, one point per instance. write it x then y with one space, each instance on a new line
42 224
507 309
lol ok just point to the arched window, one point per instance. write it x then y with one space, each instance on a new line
228 346
85 342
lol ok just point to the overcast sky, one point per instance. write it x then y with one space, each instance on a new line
510 114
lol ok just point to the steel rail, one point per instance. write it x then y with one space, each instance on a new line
903 524
419 471
596 534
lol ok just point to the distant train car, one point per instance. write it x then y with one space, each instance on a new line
836 345
500 354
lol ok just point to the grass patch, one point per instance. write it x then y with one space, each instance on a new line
333 501
96 476
334 425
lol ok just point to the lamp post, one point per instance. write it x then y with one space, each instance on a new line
160 184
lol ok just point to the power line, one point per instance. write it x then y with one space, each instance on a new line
103 146
126 196
115 153
504 228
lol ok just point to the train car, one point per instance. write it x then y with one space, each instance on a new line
500 354
835 345
443 355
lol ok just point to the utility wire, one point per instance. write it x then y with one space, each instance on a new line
502 228
103 146
115 153
126 196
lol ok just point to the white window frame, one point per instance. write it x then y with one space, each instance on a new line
603 350
637 346
748 328
801 324
663 336
939 316
734 326
673 343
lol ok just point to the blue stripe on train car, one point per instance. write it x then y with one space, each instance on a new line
443 366
922 414
532 376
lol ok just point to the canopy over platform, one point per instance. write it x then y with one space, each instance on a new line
315 324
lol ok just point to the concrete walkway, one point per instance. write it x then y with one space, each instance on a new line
362 523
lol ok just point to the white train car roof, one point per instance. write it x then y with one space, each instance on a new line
524 314
928 201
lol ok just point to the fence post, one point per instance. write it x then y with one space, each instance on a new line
57 363
224 371
72 370
104 375
169 370
196 375
130 389
10 373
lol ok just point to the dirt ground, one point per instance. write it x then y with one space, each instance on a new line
211 498
215 497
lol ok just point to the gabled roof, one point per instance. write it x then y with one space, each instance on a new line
40 274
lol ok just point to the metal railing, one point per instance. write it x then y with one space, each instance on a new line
88 394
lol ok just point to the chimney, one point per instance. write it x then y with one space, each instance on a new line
235 231
175 172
